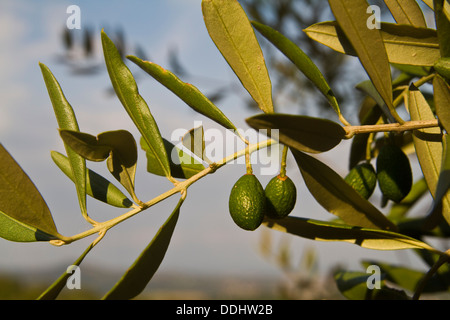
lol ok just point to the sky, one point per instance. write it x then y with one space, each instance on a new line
205 241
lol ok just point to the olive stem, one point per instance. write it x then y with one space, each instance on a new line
390 127
283 161
180 187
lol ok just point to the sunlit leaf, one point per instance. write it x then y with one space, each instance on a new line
136 107
232 33
428 143
24 215
330 231
303 133
66 119
300 60
96 186
406 12
145 266
338 197
185 91
404 44
368 43
182 165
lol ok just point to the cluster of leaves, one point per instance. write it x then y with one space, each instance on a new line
409 45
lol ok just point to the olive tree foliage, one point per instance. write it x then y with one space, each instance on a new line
399 59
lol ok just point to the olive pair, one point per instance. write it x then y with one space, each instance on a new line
249 202
393 174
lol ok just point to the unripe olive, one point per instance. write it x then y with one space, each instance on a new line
394 172
247 202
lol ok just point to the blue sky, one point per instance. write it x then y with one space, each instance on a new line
205 240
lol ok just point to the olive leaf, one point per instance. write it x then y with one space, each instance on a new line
185 91
231 31
405 44
194 141
52 292
66 119
24 215
182 165
117 147
368 238
145 266
406 12
136 107
442 27
442 101
367 43
442 67
428 144
96 186
303 133
301 61
337 196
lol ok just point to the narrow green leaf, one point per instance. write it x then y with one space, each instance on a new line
194 141
338 197
182 165
185 91
406 12
442 27
24 215
96 186
442 101
368 43
404 44
427 142
136 107
300 132
232 33
329 231
145 266
66 119
52 292
300 60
